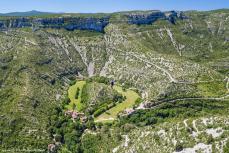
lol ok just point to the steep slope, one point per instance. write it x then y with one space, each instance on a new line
166 56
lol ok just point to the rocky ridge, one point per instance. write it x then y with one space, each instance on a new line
88 23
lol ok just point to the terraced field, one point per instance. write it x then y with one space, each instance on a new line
111 114
71 94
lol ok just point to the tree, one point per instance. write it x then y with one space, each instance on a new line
210 139
66 100
77 93
138 101
71 140
90 125
72 82
118 97
99 111
127 127
74 106
151 120
179 147
58 138
226 147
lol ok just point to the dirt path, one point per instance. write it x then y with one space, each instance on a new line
185 124
194 126
30 42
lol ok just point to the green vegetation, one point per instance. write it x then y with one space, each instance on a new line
179 110
99 79
98 97
103 141
226 148
138 101
180 71
212 89
77 93
72 92
105 107
129 102
179 147
65 133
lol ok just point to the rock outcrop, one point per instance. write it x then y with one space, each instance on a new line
148 18
96 24
71 23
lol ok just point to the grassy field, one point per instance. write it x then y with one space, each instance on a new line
71 95
111 114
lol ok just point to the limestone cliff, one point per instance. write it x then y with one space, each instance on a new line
87 23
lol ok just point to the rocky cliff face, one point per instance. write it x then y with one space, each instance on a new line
96 24
148 18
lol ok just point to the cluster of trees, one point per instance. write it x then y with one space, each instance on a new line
84 95
72 82
180 109
107 103
99 79
69 133
226 147
100 111
138 101
63 130
105 100
12 141
118 97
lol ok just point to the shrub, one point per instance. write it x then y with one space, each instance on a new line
179 147
99 79
99 111
72 82
102 80
118 97
226 147
58 138
77 93
138 101
210 139
66 100
127 127
91 125
84 95
151 120
74 106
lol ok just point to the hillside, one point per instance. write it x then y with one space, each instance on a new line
26 14
177 62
